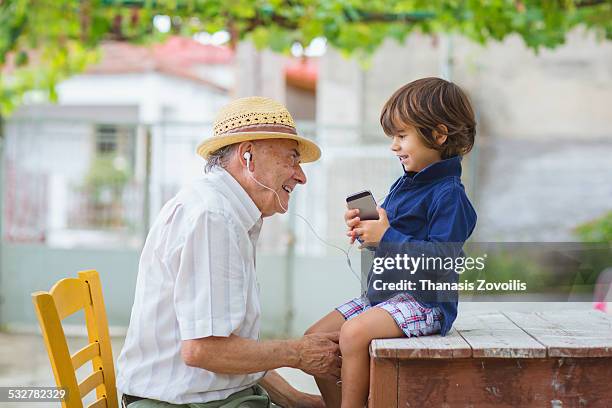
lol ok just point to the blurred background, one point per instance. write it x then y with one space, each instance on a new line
104 103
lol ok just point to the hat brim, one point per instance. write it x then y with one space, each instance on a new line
308 150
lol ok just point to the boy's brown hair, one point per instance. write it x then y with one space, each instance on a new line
426 104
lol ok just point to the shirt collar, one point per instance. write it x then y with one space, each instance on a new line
244 206
440 169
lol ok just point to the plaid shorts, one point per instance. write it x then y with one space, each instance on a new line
413 318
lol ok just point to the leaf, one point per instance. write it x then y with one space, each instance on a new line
260 37
21 59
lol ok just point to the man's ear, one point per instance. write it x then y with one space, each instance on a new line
242 149
440 134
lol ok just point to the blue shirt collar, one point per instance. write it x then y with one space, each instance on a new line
438 170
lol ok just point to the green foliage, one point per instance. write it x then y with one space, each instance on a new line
45 41
506 266
599 230
41 43
597 234
548 269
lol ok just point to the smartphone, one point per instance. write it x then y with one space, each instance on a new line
366 204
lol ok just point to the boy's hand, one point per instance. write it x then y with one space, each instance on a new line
370 232
351 217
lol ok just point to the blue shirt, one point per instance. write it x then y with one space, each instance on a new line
427 207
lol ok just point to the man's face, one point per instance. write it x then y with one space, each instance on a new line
276 164
412 152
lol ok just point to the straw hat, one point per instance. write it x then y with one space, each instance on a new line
256 118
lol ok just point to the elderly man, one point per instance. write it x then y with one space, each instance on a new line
193 338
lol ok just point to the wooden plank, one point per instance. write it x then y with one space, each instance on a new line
383 383
505 382
569 333
385 348
99 403
495 336
450 346
90 382
85 354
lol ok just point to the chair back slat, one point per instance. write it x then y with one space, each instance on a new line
65 298
92 381
87 353
70 295
99 403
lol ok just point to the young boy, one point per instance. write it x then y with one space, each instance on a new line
431 124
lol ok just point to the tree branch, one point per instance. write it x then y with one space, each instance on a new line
591 3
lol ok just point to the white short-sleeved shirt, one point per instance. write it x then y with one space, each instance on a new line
196 278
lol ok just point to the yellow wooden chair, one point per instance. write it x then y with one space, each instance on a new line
65 298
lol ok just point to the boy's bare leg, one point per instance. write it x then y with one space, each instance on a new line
355 337
330 392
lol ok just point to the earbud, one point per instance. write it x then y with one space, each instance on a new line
247 157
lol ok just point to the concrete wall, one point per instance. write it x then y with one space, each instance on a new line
541 190
29 268
560 93
520 94
259 72
301 103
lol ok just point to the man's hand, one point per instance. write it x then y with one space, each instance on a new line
304 400
371 231
319 355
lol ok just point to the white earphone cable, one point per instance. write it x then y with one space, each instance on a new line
346 252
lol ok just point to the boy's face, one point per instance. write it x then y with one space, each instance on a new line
412 153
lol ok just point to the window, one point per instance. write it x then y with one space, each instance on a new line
115 140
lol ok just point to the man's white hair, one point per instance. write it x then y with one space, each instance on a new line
220 157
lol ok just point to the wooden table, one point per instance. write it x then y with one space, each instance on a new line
546 359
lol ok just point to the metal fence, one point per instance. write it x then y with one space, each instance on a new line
99 185
71 184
